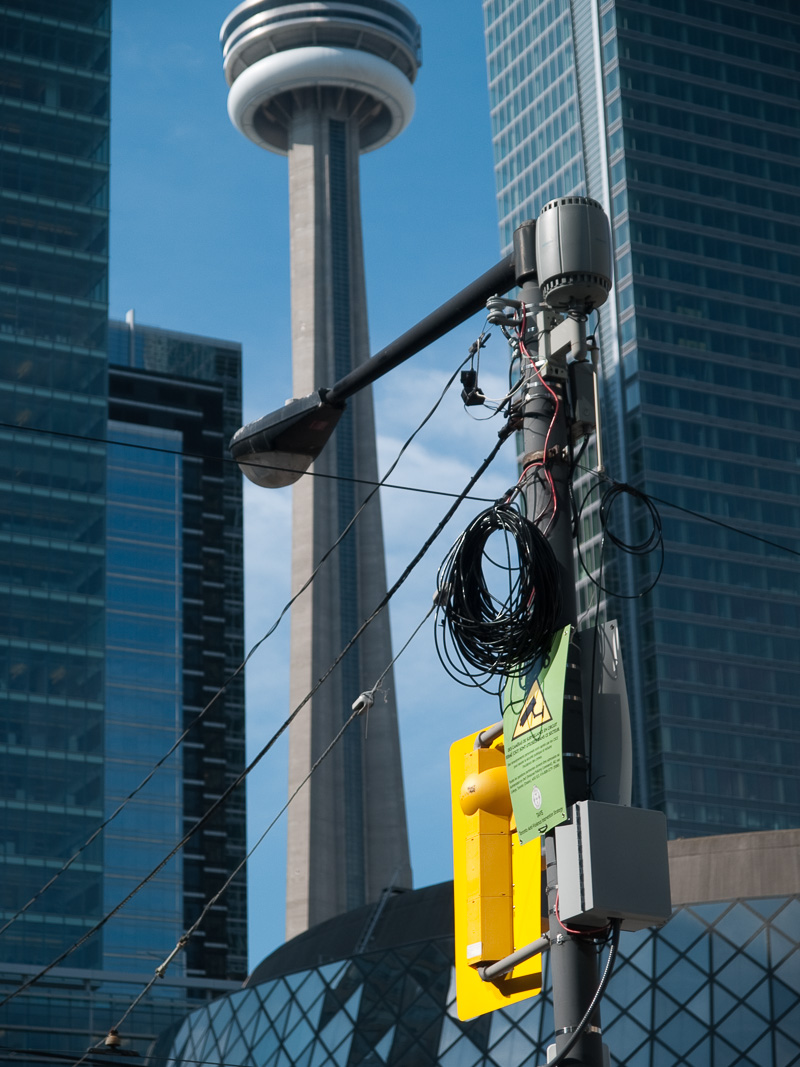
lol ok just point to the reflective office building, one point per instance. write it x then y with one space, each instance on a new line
169 564
121 583
717 985
53 325
681 118
174 639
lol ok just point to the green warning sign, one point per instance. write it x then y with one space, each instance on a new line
533 706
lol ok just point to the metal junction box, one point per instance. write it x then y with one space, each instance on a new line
613 864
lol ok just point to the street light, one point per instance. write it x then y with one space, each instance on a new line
568 249
279 448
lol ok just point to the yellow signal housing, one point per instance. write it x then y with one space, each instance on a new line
497 882
486 803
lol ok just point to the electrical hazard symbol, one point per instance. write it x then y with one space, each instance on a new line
535 712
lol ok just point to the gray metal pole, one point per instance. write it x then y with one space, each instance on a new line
573 960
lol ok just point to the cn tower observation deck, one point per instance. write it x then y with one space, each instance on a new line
281 58
321 82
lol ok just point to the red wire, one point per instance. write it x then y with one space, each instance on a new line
573 930
556 409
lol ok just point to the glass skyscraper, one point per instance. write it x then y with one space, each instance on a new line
681 117
175 629
171 635
53 323
121 583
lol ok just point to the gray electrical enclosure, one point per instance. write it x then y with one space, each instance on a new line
613 864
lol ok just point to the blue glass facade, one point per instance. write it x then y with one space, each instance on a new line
144 645
681 118
120 579
175 589
54 95
170 609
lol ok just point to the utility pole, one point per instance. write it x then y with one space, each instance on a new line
613 858
545 437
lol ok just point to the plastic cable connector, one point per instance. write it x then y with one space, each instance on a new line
363 703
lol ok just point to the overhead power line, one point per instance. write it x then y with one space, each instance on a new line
218 803
360 707
688 511
228 461
376 486
98 1058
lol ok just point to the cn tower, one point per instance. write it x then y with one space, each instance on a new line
321 82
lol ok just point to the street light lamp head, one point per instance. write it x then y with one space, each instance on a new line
573 254
278 449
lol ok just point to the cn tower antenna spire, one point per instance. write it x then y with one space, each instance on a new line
321 82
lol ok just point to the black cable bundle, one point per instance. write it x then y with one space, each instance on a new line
480 635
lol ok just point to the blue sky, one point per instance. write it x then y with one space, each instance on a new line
199 243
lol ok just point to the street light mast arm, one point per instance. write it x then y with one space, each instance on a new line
497 280
277 449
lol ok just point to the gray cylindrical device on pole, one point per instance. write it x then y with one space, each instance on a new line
563 257
573 254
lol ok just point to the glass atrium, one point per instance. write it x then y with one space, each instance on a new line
717 985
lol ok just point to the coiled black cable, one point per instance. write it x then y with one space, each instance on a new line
485 633
651 541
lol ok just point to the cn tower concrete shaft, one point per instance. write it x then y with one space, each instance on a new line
322 104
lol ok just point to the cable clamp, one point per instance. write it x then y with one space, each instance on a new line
162 967
539 457
364 702
515 423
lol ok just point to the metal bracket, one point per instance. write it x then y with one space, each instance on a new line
508 963
491 733
557 340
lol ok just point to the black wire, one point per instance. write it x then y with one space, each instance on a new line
481 635
726 526
385 485
227 460
223 797
653 540
573 467
700 515
103 1057
592 689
